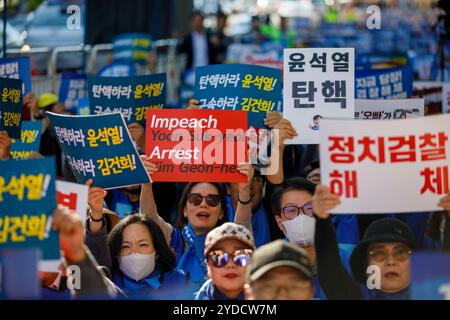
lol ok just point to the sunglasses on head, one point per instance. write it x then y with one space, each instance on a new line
213 200
219 258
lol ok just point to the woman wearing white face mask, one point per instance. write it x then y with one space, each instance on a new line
142 261
292 205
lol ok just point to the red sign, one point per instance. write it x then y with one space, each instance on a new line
197 145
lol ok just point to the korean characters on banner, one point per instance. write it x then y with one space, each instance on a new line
11 107
17 68
390 83
389 109
407 165
318 84
253 89
430 276
29 142
197 145
99 147
132 47
27 202
73 88
131 96
73 196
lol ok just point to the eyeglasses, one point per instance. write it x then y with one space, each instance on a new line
241 258
213 200
399 254
290 212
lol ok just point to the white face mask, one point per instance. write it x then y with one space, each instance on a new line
300 230
137 265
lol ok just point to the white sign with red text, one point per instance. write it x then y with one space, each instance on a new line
386 166
73 196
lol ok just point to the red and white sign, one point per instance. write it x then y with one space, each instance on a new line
386 166
73 196
197 145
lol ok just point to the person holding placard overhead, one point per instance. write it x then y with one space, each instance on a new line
202 207
380 262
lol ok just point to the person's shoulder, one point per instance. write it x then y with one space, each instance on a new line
201 294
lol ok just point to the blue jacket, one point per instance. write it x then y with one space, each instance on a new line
208 291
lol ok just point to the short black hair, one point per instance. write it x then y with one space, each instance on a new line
314 164
196 13
317 117
166 260
296 183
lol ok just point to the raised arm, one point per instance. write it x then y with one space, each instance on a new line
243 214
148 204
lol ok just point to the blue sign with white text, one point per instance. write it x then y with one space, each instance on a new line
17 68
430 276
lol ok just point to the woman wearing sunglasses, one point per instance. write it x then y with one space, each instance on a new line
202 207
380 263
228 250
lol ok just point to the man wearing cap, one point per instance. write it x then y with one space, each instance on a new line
380 263
279 271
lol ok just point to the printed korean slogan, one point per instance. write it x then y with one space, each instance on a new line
406 163
27 202
99 147
29 142
11 107
197 145
73 196
17 68
254 89
389 109
318 83
133 47
131 96
430 276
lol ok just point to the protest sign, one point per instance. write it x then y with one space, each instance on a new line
19 274
318 83
99 147
430 276
73 196
249 88
72 88
388 109
83 107
133 47
131 96
27 202
29 142
403 162
118 69
11 107
17 68
389 83
197 145
436 95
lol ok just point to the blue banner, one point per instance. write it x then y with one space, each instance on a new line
17 68
118 69
430 276
73 88
19 274
391 83
29 142
132 47
254 89
99 147
83 107
11 106
131 96
27 202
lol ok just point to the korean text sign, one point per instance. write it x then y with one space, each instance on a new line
386 165
29 142
99 147
131 96
197 145
27 201
73 88
73 196
17 68
430 276
390 83
11 106
133 47
389 109
254 89
318 84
